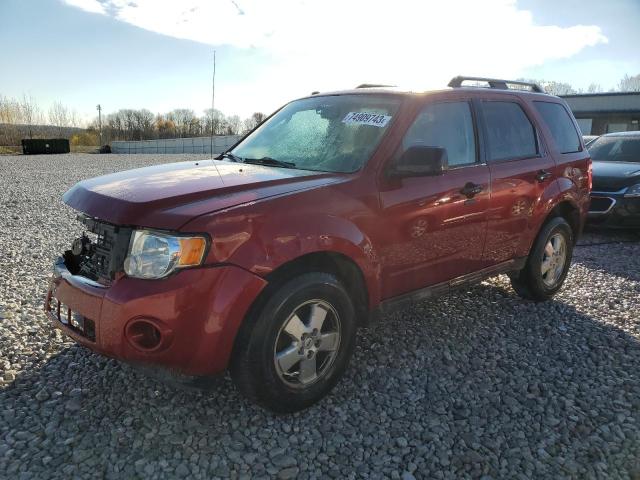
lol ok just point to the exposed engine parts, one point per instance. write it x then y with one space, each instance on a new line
81 246
101 257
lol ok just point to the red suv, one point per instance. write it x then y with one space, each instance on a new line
339 206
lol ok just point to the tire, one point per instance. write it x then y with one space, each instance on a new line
531 283
274 354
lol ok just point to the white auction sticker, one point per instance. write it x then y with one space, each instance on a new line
364 118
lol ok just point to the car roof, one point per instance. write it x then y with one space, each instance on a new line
404 92
633 133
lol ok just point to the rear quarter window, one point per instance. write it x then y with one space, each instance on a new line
562 129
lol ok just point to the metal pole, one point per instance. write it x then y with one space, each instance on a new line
100 122
213 97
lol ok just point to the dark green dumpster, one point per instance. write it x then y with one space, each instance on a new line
38 146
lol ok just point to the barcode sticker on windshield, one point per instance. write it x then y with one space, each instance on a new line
364 118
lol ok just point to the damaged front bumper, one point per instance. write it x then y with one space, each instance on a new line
195 313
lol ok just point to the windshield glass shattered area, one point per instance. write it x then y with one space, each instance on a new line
616 149
333 133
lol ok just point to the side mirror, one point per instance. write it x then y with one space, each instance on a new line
421 160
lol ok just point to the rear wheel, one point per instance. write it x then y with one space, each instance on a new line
292 352
548 262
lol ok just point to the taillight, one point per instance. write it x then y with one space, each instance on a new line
590 174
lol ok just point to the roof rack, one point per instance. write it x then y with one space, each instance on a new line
373 85
456 82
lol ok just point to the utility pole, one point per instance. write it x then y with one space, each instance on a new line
213 97
99 108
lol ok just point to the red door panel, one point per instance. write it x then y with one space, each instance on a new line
516 194
433 232
521 170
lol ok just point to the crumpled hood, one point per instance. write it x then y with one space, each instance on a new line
614 176
167 196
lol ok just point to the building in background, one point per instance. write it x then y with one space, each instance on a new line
600 113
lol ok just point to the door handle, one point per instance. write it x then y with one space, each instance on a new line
471 189
542 175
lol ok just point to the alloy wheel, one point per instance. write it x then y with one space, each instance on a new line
554 259
307 343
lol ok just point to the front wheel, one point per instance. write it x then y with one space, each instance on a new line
292 352
548 262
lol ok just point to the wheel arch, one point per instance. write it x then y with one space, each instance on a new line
335 263
570 212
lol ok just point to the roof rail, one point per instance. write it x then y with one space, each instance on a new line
373 85
456 82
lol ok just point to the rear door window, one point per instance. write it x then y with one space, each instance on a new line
510 134
563 131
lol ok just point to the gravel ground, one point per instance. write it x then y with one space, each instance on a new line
479 384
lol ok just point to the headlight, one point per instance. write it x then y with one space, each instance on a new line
155 255
633 191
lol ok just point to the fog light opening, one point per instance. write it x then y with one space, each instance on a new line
144 335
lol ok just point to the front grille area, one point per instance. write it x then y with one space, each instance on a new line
99 254
78 323
600 204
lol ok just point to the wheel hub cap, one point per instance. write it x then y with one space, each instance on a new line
307 343
554 259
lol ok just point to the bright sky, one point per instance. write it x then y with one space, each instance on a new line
157 54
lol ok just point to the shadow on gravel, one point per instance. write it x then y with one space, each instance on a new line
611 251
472 384
501 381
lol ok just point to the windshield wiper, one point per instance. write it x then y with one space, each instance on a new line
233 157
270 161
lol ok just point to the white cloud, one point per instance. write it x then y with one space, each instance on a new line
93 6
333 44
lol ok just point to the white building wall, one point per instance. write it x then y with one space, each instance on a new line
177 145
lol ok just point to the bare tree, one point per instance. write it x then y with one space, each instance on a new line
74 119
232 125
165 128
114 127
253 121
144 123
551 86
182 118
59 116
594 88
10 117
194 127
629 83
215 117
10 111
558 88
30 112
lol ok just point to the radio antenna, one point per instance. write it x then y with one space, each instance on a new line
213 104
213 97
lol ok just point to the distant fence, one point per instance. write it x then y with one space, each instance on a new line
177 145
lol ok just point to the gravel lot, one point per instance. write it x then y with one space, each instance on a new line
479 384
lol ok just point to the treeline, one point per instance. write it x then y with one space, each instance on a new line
24 118
628 83
128 124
